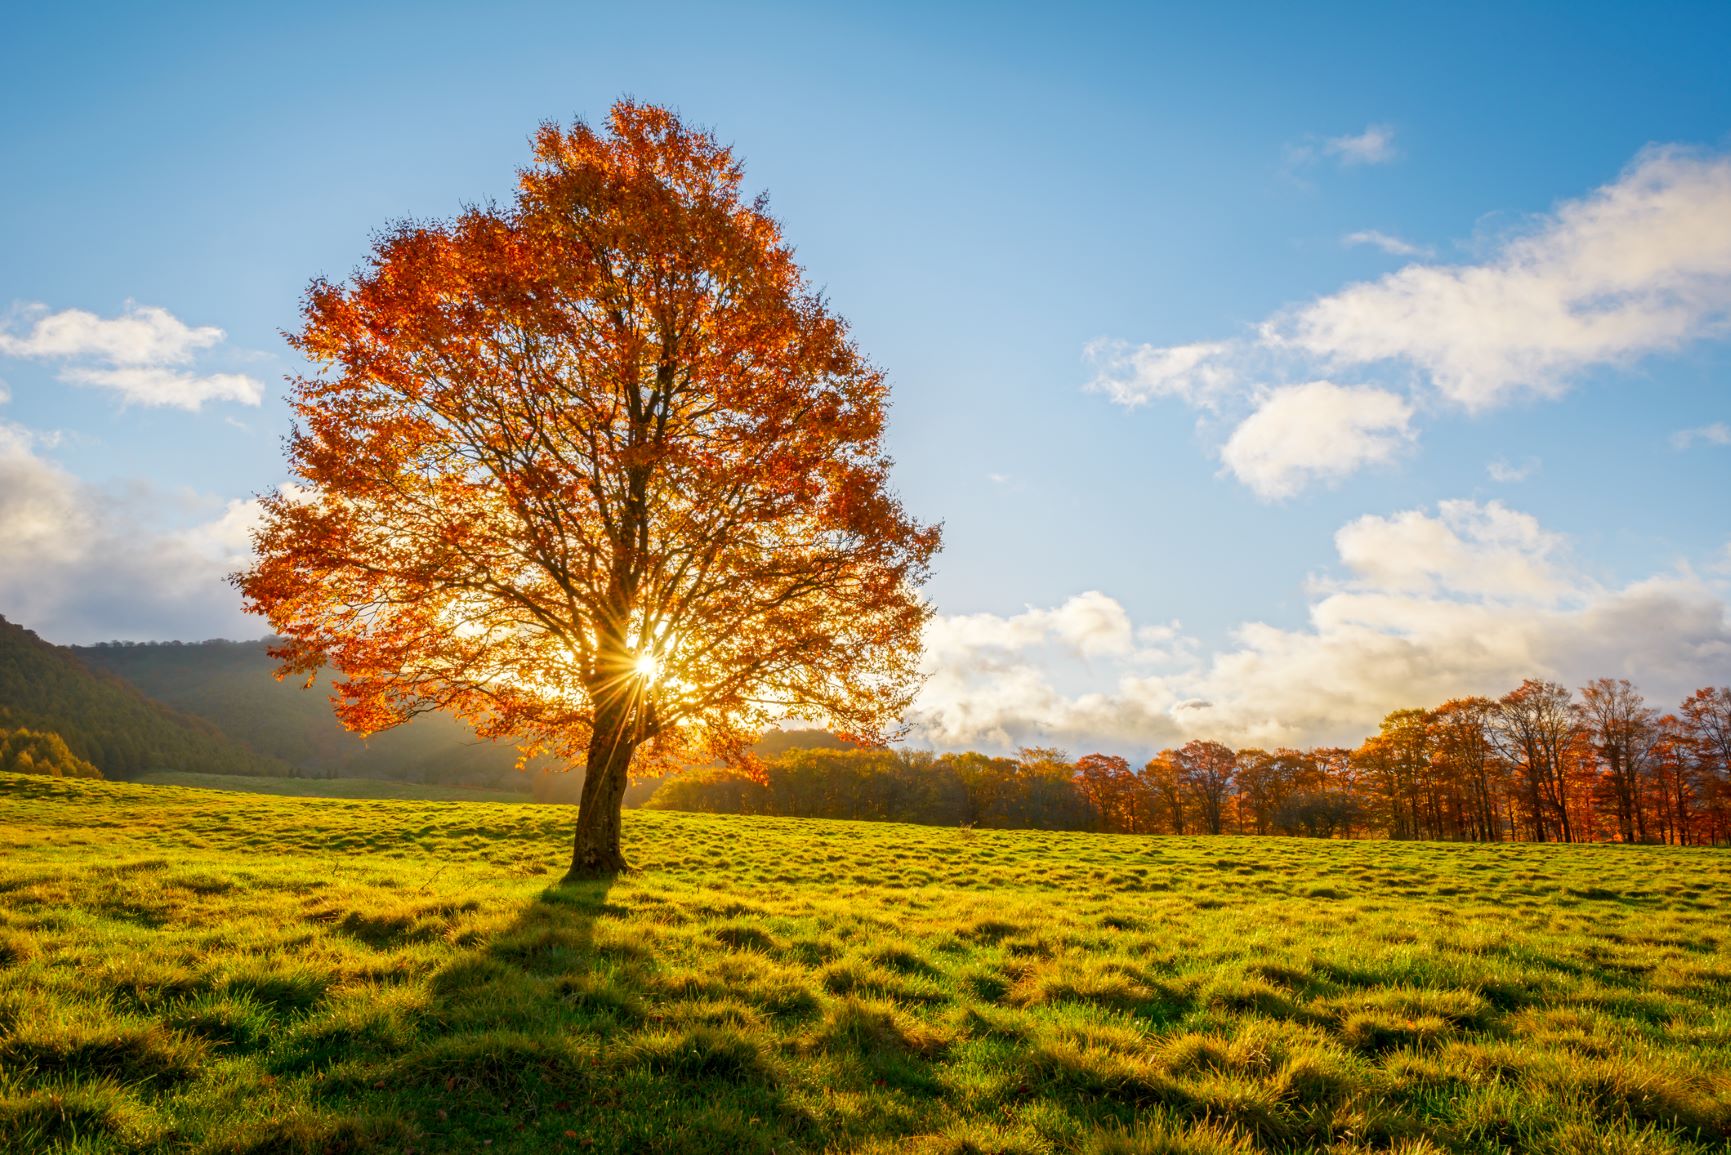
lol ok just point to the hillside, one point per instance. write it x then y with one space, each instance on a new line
233 686
106 721
186 970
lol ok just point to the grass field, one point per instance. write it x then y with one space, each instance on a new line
188 970
332 787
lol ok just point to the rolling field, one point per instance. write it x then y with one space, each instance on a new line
332 787
182 969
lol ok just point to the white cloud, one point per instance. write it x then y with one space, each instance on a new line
1317 430
1387 242
1375 145
989 675
227 536
1482 550
157 386
1500 470
1638 267
39 517
135 354
80 563
1717 433
1428 604
141 335
1133 374
1089 624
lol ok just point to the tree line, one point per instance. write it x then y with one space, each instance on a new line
1538 764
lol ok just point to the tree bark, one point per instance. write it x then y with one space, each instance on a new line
596 851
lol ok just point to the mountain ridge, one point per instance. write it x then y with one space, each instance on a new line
106 720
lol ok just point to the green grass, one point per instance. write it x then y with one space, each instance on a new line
187 971
372 788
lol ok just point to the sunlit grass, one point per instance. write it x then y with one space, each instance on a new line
187 970
334 787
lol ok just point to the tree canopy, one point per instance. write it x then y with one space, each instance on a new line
597 471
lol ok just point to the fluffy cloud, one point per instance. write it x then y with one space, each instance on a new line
141 335
1301 433
139 355
1091 624
1134 374
82 564
1428 604
156 386
1638 267
1464 548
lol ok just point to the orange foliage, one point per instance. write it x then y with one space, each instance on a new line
596 472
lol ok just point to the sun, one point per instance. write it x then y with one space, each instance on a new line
647 667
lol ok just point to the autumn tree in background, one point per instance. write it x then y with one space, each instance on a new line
1163 779
1400 754
1258 779
597 472
1206 770
1535 728
1473 768
1469 766
1624 731
1705 734
1110 789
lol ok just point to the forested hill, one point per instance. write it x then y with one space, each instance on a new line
233 685
106 721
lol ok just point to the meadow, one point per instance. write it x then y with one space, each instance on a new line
332 787
186 970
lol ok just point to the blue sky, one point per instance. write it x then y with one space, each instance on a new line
984 191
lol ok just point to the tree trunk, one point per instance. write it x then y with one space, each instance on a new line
596 852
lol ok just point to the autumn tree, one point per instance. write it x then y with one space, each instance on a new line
991 783
1467 762
1707 715
1405 753
1674 781
1163 783
1110 789
1706 732
598 472
1206 770
1048 789
1535 727
1623 731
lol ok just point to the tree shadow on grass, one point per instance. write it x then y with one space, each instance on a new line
547 1038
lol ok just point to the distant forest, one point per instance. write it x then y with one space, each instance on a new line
1538 764
233 686
104 720
125 709
41 752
